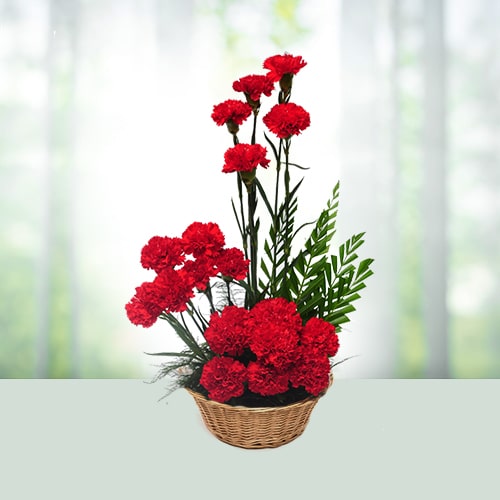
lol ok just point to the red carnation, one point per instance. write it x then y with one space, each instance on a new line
232 113
231 263
253 87
287 119
311 371
281 65
274 331
224 378
161 252
320 335
227 332
245 158
200 270
203 239
266 380
278 310
144 309
170 291
176 289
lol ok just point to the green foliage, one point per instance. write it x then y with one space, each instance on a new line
182 330
309 265
341 287
278 246
321 285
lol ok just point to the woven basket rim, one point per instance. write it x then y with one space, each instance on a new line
259 409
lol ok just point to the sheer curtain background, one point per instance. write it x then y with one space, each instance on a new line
106 140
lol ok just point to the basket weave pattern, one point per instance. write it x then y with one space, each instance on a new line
254 428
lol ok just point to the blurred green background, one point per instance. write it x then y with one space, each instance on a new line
106 140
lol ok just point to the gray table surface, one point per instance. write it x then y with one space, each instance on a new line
114 439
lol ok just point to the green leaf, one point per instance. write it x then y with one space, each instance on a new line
298 166
263 194
345 310
237 218
321 285
364 266
278 245
341 254
273 147
172 354
310 262
185 335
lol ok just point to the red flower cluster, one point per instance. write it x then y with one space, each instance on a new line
287 119
265 348
284 352
245 158
183 265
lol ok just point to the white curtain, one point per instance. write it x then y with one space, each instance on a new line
106 139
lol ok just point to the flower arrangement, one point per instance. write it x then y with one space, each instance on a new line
261 323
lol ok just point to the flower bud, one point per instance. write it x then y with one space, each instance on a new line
286 83
255 105
248 177
232 127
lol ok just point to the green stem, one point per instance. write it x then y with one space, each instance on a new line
254 127
275 221
287 200
208 294
197 318
276 190
252 231
228 290
242 211
185 335
254 243
200 322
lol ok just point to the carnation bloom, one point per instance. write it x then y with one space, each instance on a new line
170 291
320 335
287 119
176 289
200 270
203 239
311 371
274 327
223 378
245 158
227 332
281 65
253 86
232 113
266 380
161 252
231 263
144 309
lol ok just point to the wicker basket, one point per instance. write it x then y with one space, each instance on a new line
253 428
